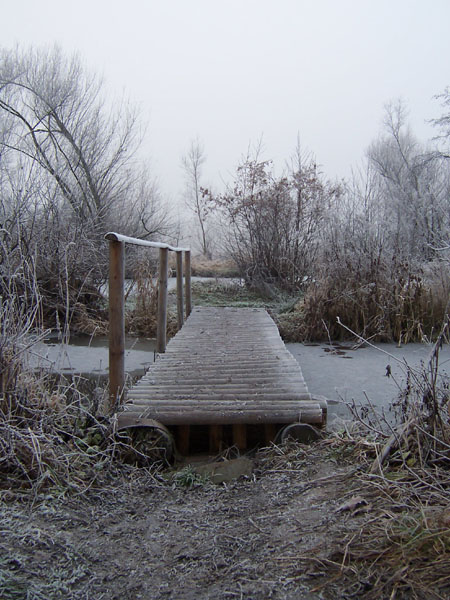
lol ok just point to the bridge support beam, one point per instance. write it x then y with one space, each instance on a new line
215 438
240 435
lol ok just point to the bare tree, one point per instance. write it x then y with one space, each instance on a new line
68 173
196 199
273 222
415 188
60 122
443 122
380 259
311 197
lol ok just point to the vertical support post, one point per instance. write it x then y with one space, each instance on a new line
162 300
240 435
183 439
270 432
180 303
116 322
215 438
187 282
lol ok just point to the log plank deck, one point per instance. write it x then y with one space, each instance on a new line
225 367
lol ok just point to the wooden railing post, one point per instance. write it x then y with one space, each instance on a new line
180 303
187 282
117 243
162 300
116 323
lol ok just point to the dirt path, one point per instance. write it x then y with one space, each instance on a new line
258 537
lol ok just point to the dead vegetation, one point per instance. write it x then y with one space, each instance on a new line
53 435
402 547
392 303
311 522
363 513
203 267
141 316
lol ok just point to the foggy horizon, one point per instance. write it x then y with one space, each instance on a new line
235 73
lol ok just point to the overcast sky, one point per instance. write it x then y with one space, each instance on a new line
231 71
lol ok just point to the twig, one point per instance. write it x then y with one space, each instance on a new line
392 444
399 360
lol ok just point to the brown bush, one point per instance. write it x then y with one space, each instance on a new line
202 267
398 305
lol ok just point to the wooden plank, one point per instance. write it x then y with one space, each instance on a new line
243 393
226 366
234 361
199 380
204 407
222 398
197 417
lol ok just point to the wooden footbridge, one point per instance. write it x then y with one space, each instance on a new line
226 378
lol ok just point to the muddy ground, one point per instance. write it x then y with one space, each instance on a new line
142 535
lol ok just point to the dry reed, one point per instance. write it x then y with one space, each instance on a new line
398 305
52 435
142 302
401 549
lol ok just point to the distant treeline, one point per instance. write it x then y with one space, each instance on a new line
374 250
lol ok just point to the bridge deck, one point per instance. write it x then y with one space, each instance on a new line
226 366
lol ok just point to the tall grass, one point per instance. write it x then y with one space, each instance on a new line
385 303
51 434
402 549
141 316
202 267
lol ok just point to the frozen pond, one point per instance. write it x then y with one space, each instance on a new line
89 356
343 374
339 372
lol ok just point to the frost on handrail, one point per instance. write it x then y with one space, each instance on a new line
117 237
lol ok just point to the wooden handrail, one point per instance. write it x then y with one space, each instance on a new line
117 243
118 237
